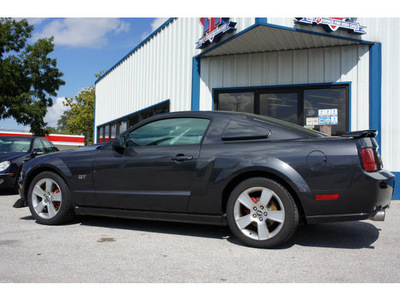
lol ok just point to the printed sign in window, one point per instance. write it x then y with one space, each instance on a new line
328 116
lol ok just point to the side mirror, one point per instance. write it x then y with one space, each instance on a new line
36 152
119 143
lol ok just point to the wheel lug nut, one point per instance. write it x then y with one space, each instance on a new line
254 216
255 208
265 214
261 207
261 219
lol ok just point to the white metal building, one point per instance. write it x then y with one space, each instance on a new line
328 74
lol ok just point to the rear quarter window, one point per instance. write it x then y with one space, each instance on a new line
296 129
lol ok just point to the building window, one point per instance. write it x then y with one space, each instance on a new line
122 126
112 129
301 105
237 102
282 106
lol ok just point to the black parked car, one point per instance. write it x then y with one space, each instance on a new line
14 152
261 176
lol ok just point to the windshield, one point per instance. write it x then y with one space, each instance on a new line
9 145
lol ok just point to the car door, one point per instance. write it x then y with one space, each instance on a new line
155 170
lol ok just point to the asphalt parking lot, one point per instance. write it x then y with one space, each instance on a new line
97 250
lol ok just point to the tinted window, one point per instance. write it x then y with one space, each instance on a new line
14 145
49 146
317 100
177 131
287 125
244 130
282 106
37 145
236 102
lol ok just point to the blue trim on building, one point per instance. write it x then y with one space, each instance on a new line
349 83
196 84
261 21
282 86
94 122
137 47
375 89
396 194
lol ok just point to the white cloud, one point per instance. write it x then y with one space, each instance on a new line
158 22
89 32
35 21
54 113
154 25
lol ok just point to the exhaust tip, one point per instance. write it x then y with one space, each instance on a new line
379 216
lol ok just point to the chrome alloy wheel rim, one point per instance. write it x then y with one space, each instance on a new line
46 198
259 213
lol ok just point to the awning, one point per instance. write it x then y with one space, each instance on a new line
268 38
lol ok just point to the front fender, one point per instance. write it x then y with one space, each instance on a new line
36 166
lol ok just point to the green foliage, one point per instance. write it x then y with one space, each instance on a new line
79 119
28 77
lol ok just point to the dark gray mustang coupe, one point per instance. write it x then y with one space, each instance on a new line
260 176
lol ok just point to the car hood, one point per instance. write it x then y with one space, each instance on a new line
11 156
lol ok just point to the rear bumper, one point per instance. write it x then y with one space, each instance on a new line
368 198
378 215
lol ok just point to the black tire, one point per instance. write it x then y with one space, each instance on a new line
262 213
49 199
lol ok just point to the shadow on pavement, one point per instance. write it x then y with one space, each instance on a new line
341 235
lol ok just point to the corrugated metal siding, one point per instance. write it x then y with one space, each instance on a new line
328 65
159 70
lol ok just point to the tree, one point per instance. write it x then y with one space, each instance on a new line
28 77
79 119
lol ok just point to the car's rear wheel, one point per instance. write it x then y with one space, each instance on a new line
262 213
49 199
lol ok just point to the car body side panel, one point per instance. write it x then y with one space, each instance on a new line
286 160
74 167
145 178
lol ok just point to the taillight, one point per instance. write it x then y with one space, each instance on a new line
369 160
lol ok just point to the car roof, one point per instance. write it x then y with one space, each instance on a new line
229 115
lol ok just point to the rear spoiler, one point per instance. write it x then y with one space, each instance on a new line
361 134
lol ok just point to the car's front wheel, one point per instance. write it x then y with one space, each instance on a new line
49 199
262 213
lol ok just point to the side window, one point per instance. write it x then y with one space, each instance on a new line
37 145
49 146
178 131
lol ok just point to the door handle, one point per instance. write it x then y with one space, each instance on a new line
182 157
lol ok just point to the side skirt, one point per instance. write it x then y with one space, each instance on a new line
152 215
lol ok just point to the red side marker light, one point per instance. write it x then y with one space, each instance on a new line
327 197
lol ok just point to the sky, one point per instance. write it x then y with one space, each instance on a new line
85 47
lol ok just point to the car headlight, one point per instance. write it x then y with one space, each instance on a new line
4 165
